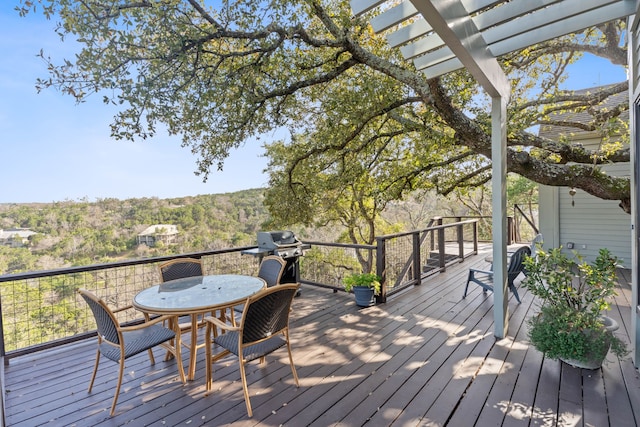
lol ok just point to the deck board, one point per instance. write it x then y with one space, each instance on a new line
426 357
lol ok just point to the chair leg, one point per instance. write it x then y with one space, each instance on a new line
293 367
95 369
466 288
207 359
115 397
174 349
513 289
245 388
151 358
153 361
232 315
173 325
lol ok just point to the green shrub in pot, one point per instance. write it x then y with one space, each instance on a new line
369 280
573 296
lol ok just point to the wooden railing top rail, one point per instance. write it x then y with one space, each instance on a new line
432 228
341 245
464 216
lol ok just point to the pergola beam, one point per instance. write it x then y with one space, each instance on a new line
451 21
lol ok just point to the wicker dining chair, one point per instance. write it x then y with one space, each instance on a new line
271 269
186 267
119 343
179 268
263 328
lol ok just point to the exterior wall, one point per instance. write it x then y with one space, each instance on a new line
590 224
147 240
593 224
151 240
549 216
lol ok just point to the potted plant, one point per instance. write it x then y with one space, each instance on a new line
365 286
573 295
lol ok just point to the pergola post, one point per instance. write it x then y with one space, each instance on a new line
458 31
499 214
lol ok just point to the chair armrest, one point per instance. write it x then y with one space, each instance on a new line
475 270
222 325
118 310
145 324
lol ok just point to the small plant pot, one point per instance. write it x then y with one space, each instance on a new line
365 296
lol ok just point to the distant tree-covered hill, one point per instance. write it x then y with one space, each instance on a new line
78 233
74 233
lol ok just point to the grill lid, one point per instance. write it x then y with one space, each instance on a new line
277 239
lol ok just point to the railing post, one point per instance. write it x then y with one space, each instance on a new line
417 268
509 230
516 234
475 238
460 236
441 247
381 261
438 221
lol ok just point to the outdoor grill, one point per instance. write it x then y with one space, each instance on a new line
283 244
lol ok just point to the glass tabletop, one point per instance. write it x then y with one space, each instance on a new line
197 294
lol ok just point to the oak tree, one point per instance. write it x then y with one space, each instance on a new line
220 72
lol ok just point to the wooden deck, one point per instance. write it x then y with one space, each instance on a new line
426 357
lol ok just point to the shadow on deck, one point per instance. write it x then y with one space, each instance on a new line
426 357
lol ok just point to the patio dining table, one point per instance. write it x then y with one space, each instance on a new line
195 296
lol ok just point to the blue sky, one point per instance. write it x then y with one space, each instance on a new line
55 150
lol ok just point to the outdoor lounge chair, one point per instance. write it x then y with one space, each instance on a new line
484 278
537 240
118 343
263 328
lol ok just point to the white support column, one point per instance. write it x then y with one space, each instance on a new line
635 220
633 32
499 205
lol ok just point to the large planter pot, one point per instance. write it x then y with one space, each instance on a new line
365 296
595 359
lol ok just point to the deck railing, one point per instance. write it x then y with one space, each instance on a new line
406 259
41 309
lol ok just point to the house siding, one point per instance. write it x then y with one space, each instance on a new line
590 223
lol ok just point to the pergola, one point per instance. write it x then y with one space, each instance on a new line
441 36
